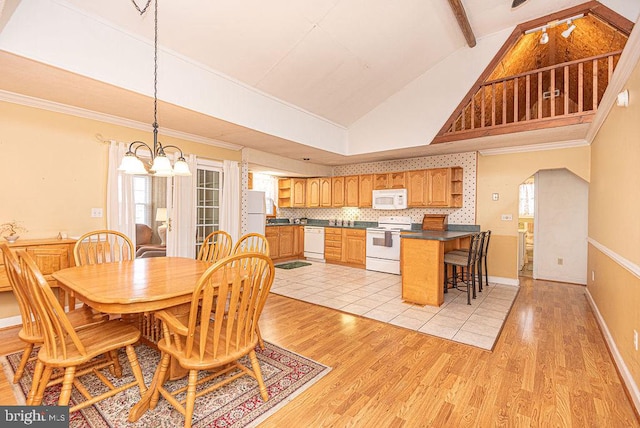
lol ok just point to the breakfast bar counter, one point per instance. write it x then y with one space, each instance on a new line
422 263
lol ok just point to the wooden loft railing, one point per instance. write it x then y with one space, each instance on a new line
558 95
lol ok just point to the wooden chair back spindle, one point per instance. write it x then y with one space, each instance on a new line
252 243
103 246
217 245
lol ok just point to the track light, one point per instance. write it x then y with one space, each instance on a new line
544 39
566 33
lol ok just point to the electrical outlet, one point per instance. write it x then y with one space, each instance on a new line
495 196
506 217
560 261
96 212
635 339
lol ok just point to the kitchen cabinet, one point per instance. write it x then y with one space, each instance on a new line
381 181
337 191
332 244
291 192
438 187
389 180
313 192
351 190
417 188
354 246
298 197
456 187
325 191
284 241
365 189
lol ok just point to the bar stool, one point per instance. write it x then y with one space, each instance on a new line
467 263
484 247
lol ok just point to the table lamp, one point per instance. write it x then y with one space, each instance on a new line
161 215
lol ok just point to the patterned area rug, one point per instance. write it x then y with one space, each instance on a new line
235 405
293 265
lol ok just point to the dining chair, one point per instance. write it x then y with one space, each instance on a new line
73 350
257 243
215 246
252 242
218 331
31 331
103 246
467 264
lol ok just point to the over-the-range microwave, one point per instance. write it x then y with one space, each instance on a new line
389 199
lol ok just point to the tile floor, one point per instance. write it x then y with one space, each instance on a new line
376 295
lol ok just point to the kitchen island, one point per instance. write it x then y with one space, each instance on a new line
422 263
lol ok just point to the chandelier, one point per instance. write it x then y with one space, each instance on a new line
160 164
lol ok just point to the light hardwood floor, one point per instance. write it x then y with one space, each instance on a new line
550 367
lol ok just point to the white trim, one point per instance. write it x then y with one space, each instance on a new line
10 321
534 147
504 281
627 378
107 118
624 68
627 264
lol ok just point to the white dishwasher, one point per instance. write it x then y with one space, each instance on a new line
314 242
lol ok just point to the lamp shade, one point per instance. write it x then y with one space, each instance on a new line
161 214
161 166
132 165
181 168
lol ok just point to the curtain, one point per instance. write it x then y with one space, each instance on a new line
181 197
230 206
120 205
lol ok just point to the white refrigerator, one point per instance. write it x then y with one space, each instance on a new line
256 212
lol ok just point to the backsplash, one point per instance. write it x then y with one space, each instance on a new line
464 215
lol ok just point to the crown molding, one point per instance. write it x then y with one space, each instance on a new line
53 106
534 147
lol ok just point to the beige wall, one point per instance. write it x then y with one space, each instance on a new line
503 174
54 170
614 226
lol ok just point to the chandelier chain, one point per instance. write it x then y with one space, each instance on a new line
155 66
142 11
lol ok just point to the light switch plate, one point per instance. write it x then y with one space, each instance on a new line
96 212
495 196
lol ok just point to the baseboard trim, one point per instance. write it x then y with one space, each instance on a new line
10 321
628 380
515 282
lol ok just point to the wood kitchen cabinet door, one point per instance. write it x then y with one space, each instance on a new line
397 180
325 191
286 241
380 181
417 188
313 192
298 191
271 233
365 196
438 187
354 244
337 191
351 191
298 241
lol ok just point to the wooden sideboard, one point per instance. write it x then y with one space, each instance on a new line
49 254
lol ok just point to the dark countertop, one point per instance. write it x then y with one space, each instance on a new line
435 235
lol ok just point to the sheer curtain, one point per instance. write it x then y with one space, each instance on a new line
230 206
120 205
181 234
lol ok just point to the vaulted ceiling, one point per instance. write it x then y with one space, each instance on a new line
334 60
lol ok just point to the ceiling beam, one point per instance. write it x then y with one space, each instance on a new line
463 21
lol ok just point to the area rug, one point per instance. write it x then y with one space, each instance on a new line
293 265
237 404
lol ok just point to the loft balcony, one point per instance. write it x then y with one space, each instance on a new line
545 76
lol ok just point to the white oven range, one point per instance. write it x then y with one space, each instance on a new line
383 244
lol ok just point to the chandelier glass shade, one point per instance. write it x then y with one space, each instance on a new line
160 166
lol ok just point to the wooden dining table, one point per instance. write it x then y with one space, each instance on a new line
134 287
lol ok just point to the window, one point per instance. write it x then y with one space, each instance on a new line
142 199
208 197
526 208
